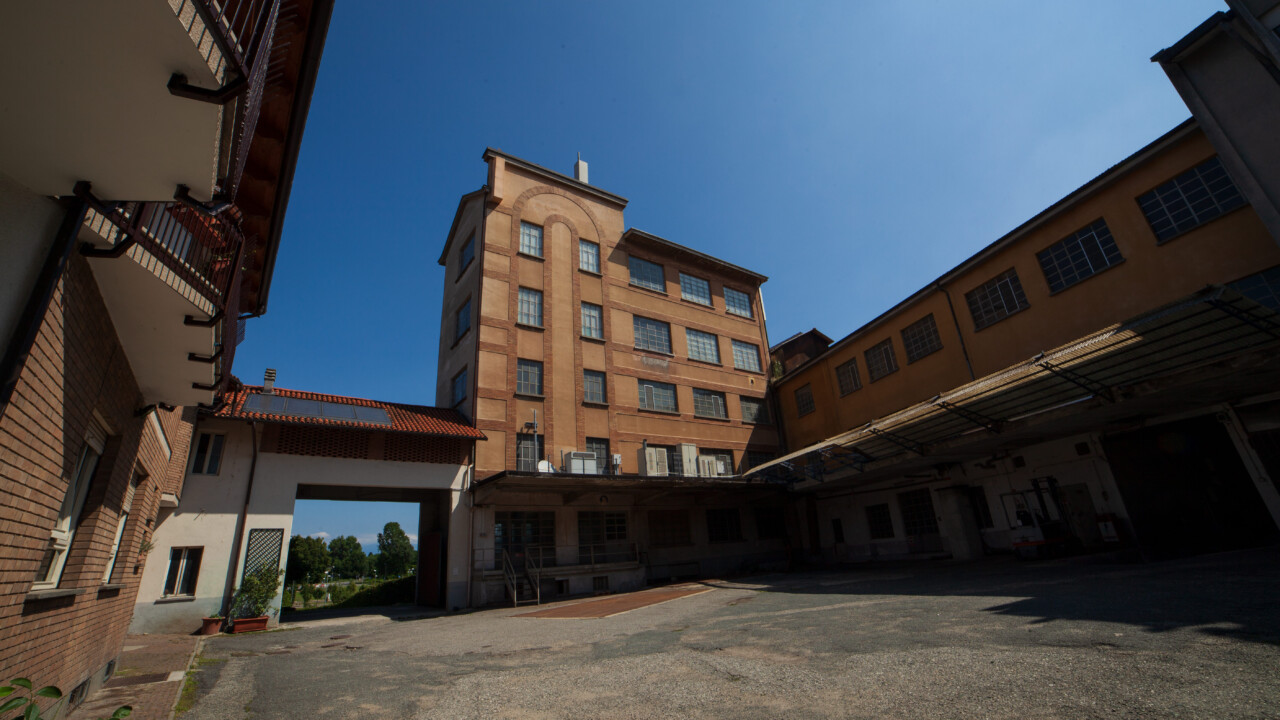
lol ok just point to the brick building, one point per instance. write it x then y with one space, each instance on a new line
145 163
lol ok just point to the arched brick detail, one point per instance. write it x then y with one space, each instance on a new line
518 206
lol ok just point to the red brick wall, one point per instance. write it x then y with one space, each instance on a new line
77 367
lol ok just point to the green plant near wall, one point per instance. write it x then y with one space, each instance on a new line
15 700
257 590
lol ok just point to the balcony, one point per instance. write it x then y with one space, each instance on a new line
136 97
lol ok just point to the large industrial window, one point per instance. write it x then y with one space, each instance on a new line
519 533
881 360
771 523
64 528
467 254
528 451
920 338
656 395
602 537
593 387
804 401
670 528
1080 255
459 387
530 239
695 289
917 513
746 356
652 334
208 455
588 256
1190 200
600 446
528 377
709 403
646 274
529 311
847 377
723 525
753 410
996 299
184 569
879 521
592 326
702 346
462 321
737 302
1262 288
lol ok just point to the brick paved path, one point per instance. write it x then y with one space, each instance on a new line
142 678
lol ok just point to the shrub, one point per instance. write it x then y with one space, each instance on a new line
390 592
339 593
257 590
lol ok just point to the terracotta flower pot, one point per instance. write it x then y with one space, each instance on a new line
210 626
240 625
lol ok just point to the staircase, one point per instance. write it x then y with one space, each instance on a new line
523 575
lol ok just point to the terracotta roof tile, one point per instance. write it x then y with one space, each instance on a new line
418 419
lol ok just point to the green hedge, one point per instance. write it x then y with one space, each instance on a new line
391 592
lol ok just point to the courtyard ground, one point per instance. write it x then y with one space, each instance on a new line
997 639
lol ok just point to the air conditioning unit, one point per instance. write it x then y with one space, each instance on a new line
655 462
582 463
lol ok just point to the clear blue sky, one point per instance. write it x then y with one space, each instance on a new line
851 151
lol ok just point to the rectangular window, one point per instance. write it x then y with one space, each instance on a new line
121 521
702 346
596 527
753 410
746 356
652 334
462 321
184 569
528 377
737 302
921 338
459 387
530 239
530 307
804 401
996 299
592 325
657 396
695 289
880 360
918 517
64 529
600 446
723 525
712 463
208 455
523 533
1082 254
667 458
528 451
879 522
1190 200
646 274
771 523
847 377
588 256
593 387
756 458
708 403
1262 288
670 528
467 254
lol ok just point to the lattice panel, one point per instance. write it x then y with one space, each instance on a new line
416 448
324 442
263 549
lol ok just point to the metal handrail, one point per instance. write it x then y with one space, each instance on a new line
563 557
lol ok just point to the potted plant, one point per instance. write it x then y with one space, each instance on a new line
145 547
252 600
211 625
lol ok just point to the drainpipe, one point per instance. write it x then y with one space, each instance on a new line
963 348
229 588
468 482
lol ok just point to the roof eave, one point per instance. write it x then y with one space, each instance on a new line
634 234
554 176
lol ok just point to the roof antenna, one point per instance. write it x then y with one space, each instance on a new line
580 171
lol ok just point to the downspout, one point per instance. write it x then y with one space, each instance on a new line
468 484
241 521
963 348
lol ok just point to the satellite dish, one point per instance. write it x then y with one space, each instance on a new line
545 467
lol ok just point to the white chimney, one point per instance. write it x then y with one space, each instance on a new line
580 170
269 382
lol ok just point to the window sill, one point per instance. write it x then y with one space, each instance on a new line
107 587
589 338
1188 231
751 318
648 289
175 599
52 594
706 362
1053 293
654 352
750 372
1006 317
539 258
590 272
530 396
711 417
704 306
878 379
460 338
526 326
592 403
918 359
659 412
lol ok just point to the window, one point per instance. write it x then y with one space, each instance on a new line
184 568
523 532
771 523
459 388
847 377
602 537
600 446
708 403
736 302
530 239
530 307
702 346
880 360
723 525
1190 200
592 326
746 356
756 458
528 451
652 334
669 454
646 274
917 513
714 462
1084 253
996 299
466 254
528 377
804 401
588 256
125 507
670 528
921 338
981 510
207 458
593 387
1262 288
879 522
64 530
753 410
695 289
462 321
837 530
656 395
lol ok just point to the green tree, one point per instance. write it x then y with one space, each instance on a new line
349 560
308 560
395 552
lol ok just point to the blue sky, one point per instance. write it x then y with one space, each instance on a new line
851 151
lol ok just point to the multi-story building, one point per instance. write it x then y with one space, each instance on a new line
616 375
146 156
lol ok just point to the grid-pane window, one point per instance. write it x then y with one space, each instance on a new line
1262 288
462 321
695 289
879 522
753 411
467 254
723 525
921 338
714 462
881 360
702 346
529 377
708 403
737 302
996 299
530 307
646 274
589 256
670 455
670 528
804 401
652 334
756 458
519 533
600 446
657 396
530 239
917 513
208 455
592 324
528 451
1189 200
746 356
459 387
1082 254
593 386
184 570
847 377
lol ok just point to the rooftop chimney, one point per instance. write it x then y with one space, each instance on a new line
269 382
580 170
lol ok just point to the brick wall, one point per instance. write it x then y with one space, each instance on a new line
77 369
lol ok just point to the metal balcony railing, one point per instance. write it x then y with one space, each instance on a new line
563 557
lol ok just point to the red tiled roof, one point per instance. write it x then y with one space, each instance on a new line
418 419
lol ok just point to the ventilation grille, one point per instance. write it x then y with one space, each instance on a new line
415 448
324 442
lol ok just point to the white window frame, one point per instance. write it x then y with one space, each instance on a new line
218 440
64 529
531 241
125 508
730 307
595 313
529 307
695 289
588 256
746 356
702 346
182 572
